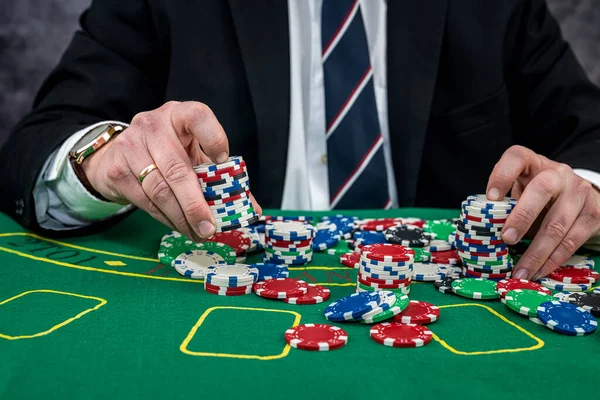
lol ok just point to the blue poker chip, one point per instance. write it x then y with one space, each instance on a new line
353 307
270 271
259 227
378 274
290 261
380 264
227 207
325 238
386 268
211 167
566 318
369 237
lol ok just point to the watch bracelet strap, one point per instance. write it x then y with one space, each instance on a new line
80 173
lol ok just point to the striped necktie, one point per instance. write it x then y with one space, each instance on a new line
356 163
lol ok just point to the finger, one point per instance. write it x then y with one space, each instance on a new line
541 190
179 176
517 190
514 162
197 119
552 232
585 226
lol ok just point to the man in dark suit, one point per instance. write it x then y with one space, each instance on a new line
333 104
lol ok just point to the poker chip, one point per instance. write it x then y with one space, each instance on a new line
562 296
228 292
324 239
350 260
231 275
525 301
225 251
291 242
379 224
281 288
340 248
421 255
579 262
506 285
588 301
564 287
439 245
536 320
426 272
407 235
270 271
444 285
238 240
366 278
395 334
414 221
575 275
316 337
486 275
369 237
418 312
475 288
566 318
316 294
596 290
354 306
481 201
446 257
256 239
399 304
195 263
289 230
168 251
439 228
386 252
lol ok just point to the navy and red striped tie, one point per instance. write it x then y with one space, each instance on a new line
356 163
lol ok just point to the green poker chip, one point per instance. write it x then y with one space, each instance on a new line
421 255
400 305
475 288
525 301
225 251
440 228
340 248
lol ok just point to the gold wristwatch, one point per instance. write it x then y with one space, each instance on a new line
90 143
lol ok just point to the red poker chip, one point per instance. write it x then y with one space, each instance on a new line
418 312
575 275
384 285
507 285
351 259
380 224
317 337
222 175
414 221
209 286
235 169
316 294
223 200
486 220
479 241
395 334
288 243
240 241
387 252
489 254
228 293
281 288
446 257
383 281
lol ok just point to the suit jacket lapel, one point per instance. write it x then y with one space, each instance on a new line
414 37
263 33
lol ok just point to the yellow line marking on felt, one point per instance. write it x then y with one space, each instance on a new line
286 349
100 300
115 263
539 344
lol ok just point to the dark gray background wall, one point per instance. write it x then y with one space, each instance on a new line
33 34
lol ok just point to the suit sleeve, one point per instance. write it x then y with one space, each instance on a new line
113 68
555 107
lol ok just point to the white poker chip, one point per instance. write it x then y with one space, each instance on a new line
195 263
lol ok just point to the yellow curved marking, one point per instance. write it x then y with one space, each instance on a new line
539 342
100 300
286 349
73 246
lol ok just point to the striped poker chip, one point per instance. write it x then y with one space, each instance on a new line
238 240
195 263
316 294
575 275
579 262
231 275
395 334
281 288
564 287
426 272
316 337
418 312
407 235
379 224
350 260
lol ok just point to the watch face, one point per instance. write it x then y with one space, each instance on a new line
95 138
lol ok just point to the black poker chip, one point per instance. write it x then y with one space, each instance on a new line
444 285
477 228
407 235
477 233
587 301
250 221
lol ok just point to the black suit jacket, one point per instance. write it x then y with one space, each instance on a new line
466 80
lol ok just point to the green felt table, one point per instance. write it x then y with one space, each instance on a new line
98 317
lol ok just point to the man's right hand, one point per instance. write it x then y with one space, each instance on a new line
174 137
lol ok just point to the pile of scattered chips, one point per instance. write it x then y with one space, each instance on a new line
289 242
384 266
367 307
226 189
478 240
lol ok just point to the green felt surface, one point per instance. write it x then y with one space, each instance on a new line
98 317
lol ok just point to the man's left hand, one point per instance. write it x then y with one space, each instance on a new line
557 207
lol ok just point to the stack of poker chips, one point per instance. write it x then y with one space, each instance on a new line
478 240
226 189
576 275
230 279
385 266
289 242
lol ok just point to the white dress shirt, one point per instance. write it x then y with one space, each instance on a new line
62 202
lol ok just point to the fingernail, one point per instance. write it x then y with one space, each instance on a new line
510 235
221 158
206 229
521 274
493 194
